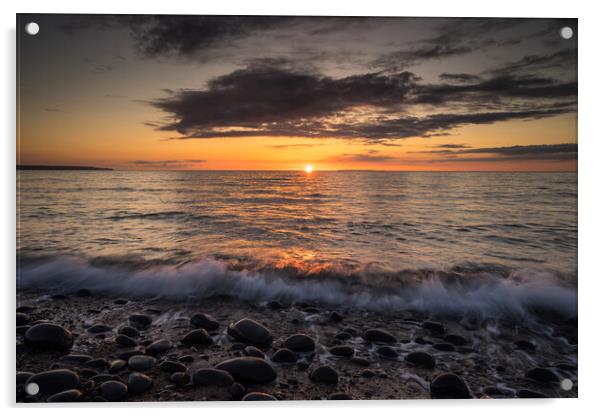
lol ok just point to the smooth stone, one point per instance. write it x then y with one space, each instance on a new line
141 362
387 352
141 321
139 383
257 396
76 358
237 391
367 373
248 330
530 394
379 335
300 343
99 328
116 366
340 396
48 336
172 367
201 320
186 358
542 375
212 377
421 359
249 369
361 361
324 374
457 340
126 355
120 301
158 347
434 327
125 341
82 293
113 391
336 317
72 395
101 378
22 319
252 351
97 363
129 331
198 337
449 386
342 350
275 305
284 355
524 345
443 346
55 381
343 336
179 379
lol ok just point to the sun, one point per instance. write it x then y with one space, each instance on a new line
309 168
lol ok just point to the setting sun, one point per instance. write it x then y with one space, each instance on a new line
309 168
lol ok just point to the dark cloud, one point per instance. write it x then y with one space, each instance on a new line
368 157
401 59
295 145
452 146
167 163
540 152
460 78
565 59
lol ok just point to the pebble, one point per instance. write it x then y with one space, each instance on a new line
367 373
449 386
172 367
55 381
126 341
249 369
379 335
99 328
141 321
524 345
120 301
129 331
237 391
158 347
443 346
141 362
186 358
100 363
212 377
72 395
343 336
201 320
336 317
126 355
324 374
342 350
340 396
421 359
387 352
113 391
434 327
361 361
256 396
198 337
139 383
300 343
48 336
457 340
76 358
542 375
252 351
284 355
179 379
22 319
248 330
116 366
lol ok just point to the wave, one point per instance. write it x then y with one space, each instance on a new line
480 290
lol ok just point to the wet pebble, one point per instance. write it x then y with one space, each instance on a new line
139 383
141 321
179 379
141 362
48 336
252 351
237 391
284 355
299 343
449 386
421 359
387 352
434 328
212 377
116 366
443 346
257 396
172 367
113 391
125 341
342 350
249 369
55 381
379 335
201 320
248 330
72 395
158 347
324 374
456 340
340 396
197 337
129 331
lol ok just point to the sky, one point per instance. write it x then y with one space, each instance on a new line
270 93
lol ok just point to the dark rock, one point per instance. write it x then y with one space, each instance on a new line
126 355
421 359
434 327
100 363
387 352
120 301
237 391
284 355
186 358
542 375
524 345
249 369
139 383
361 361
449 386
99 328
172 367
129 331
116 366
141 362
275 305
212 377
342 336
302 365
76 358
530 394
342 350
83 293
48 336
179 379
55 381
72 395
299 343
336 317
101 378
22 319
247 330
197 337
340 396
141 321
457 340
158 347
253 352
379 335
443 346
324 374
367 373
125 341
257 396
201 320
113 391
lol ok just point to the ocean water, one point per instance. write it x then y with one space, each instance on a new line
489 243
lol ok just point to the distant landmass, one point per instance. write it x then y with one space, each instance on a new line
56 167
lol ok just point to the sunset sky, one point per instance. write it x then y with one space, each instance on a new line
211 92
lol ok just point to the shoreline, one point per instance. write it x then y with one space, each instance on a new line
373 355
